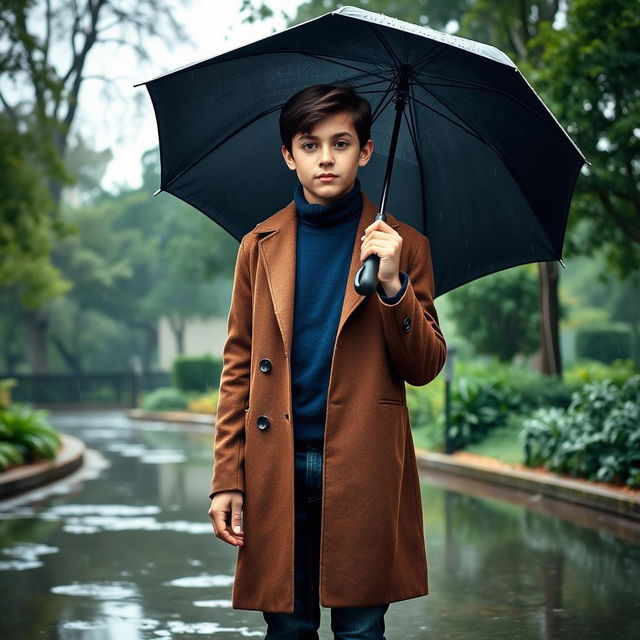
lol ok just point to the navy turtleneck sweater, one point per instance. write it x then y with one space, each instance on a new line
324 242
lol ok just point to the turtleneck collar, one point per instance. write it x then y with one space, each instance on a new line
344 208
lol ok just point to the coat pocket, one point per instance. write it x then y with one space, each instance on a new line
390 401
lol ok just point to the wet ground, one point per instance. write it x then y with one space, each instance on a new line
124 550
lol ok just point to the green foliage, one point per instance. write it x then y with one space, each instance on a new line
589 75
485 395
476 408
498 314
605 344
583 371
26 436
597 437
196 373
27 231
165 399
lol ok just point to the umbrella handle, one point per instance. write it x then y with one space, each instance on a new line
367 276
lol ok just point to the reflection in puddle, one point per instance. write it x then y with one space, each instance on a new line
100 509
94 524
107 434
113 626
98 590
213 603
25 556
202 581
149 456
176 626
92 518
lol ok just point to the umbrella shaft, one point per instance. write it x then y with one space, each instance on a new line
401 101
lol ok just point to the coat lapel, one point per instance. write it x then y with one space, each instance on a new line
277 251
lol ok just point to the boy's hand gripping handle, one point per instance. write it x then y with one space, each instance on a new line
367 276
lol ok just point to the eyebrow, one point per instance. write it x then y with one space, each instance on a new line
335 135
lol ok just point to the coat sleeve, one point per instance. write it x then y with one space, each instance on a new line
228 452
416 343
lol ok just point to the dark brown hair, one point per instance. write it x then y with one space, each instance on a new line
307 107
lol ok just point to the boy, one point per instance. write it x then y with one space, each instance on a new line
313 444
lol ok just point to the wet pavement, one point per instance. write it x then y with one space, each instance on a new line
123 550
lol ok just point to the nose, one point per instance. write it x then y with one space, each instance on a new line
326 157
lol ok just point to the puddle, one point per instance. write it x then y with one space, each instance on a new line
213 603
25 556
98 590
204 581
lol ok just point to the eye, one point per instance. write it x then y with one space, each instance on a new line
306 144
343 142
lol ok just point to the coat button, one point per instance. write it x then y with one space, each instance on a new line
263 422
265 365
406 324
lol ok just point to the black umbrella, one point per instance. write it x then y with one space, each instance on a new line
481 165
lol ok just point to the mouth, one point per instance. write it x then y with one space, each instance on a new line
327 177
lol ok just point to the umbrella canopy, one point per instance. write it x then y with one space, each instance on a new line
481 165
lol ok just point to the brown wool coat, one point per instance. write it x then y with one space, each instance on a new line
372 539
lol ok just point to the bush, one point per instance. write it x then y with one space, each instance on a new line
485 394
207 403
196 373
604 344
583 371
26 436
597 437
165 399
476 408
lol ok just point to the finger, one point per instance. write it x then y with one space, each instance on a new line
236 519
381 249
220 523
377 224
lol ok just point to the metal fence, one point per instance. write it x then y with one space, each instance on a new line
118 389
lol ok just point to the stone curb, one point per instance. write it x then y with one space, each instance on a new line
69 457
554 485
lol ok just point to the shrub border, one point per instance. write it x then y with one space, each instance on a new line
582 492
69 457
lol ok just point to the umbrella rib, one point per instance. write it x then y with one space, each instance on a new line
388 49
428 59
266 112
457 124
380 108
413 132
504 164
480 87
342 64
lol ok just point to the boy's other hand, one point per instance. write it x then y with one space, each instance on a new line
225 514
383 240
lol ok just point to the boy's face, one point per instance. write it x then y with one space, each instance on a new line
332 147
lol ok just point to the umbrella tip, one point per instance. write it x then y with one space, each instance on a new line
562 263
158 191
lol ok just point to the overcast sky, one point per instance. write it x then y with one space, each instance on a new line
127 124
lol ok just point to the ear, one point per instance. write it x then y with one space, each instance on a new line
365 153
288 158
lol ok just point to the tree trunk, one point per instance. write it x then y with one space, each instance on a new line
36 323
549 361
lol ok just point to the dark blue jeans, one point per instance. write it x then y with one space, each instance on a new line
347 623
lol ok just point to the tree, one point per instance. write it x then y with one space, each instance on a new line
73 31
498 313
590 73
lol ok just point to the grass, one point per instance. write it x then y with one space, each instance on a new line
501 443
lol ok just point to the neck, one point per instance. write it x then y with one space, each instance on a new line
345 207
